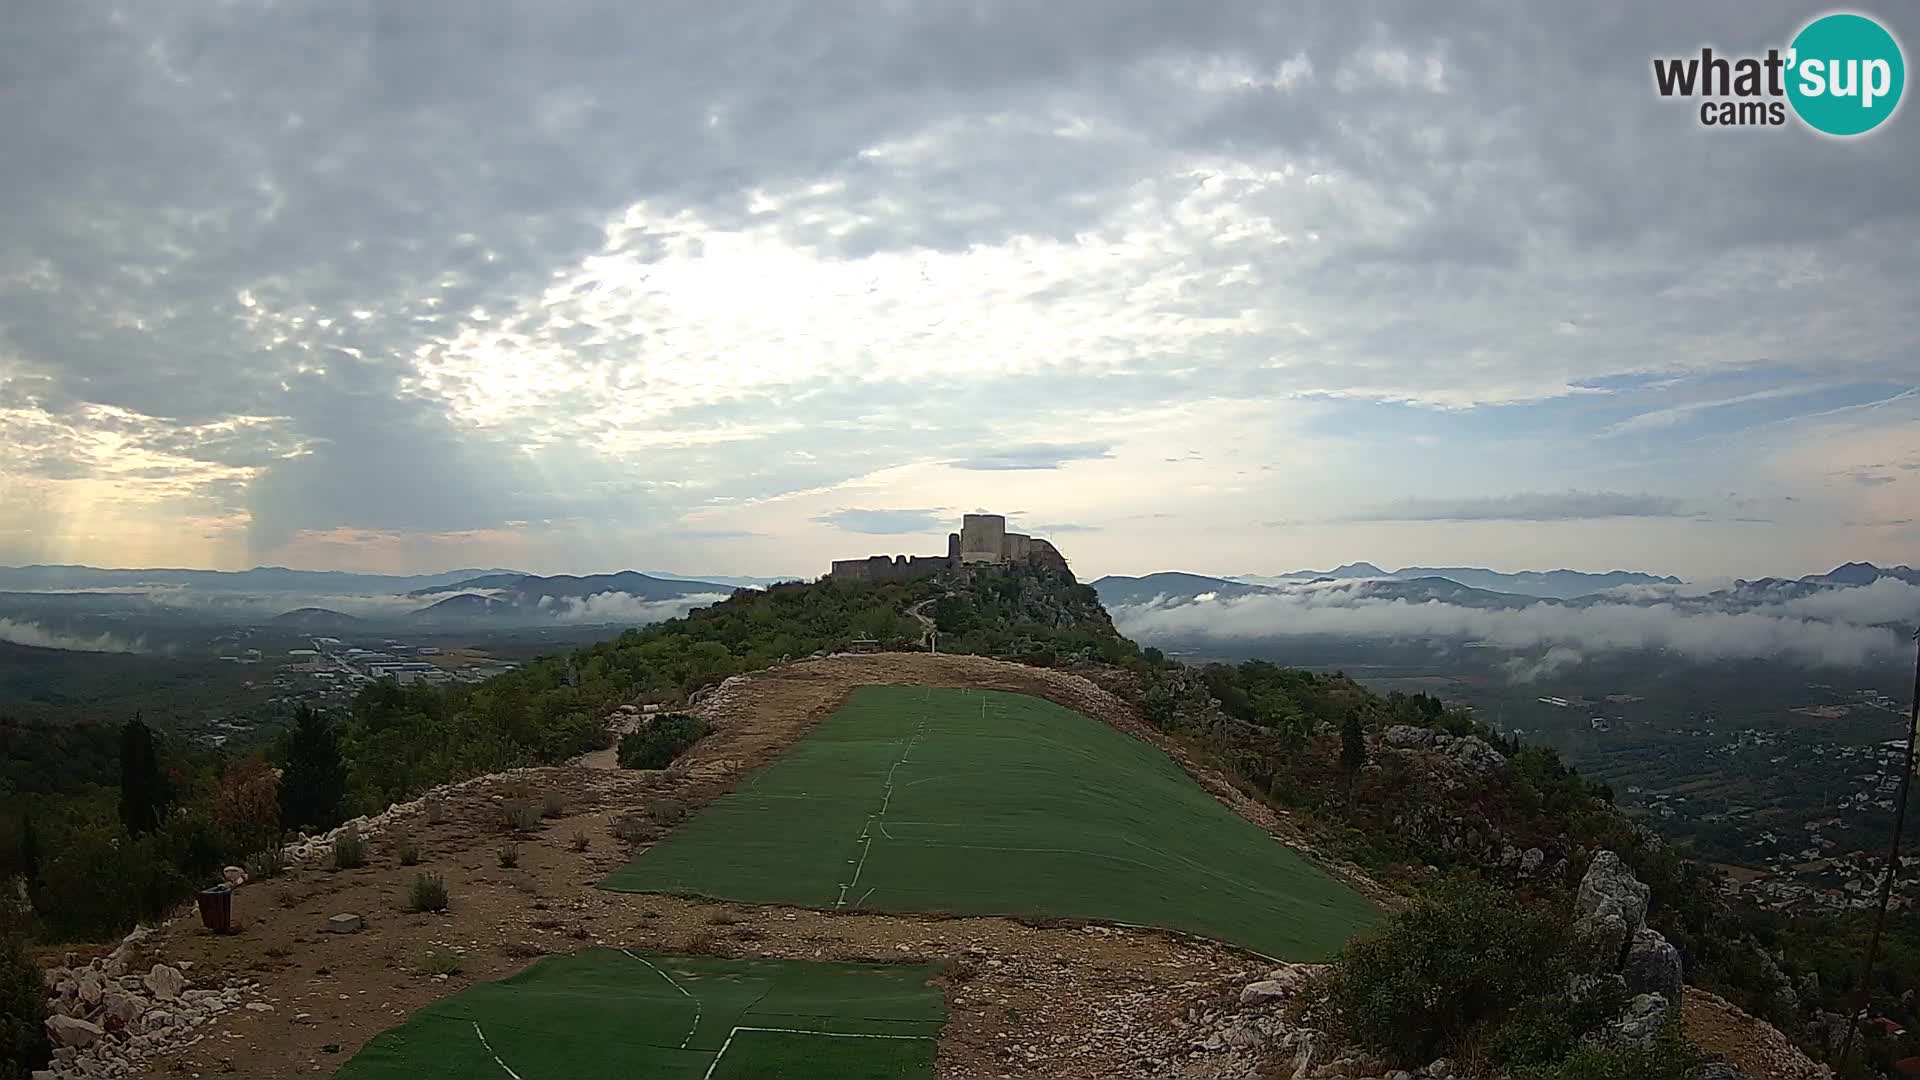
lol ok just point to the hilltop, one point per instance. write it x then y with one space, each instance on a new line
1437 797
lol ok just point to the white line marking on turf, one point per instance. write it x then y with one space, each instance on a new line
866 830
683 991
790 1031
490 1053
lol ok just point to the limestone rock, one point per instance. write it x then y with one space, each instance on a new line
68 1031
344 923
1409 737
1475 755
119 1009
1652 965
1611 904
234 876
165 982
1531 859
1644 1017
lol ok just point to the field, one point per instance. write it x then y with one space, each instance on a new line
618 1014
981 802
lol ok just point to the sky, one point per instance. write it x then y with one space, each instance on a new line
742 288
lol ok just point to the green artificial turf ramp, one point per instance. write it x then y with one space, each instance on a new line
980 802
613 1013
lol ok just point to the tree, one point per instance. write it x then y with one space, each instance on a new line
246 802
23 1009
1353 742
29 852
315 782
143 790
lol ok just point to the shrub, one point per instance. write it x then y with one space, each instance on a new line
703 943
509 856
267 863
407 850
23 1009
439 962
1459 958
633 829
659 743
349 851
666 811
429 893
519 816
553 804
581 840
1670 1057
436 810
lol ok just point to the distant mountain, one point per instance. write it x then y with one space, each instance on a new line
1864 573
316 619
260 579
484 581
497 597
1545 584
1119 591
725 579
1179 588
462 608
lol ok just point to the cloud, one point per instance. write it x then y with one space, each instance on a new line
1349 610
32 633
469 271
1886 601
886 522
1539 506
1035 456
619 607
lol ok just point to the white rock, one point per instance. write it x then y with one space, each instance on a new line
165 982
234 876
68 1031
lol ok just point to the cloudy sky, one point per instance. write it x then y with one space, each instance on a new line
736 288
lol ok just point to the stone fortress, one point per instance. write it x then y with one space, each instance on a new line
983 538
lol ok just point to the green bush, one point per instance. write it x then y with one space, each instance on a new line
266 864
666 811
23 1009
1670 1057
429 893
519 816
659 743
439 962
1459 959
553 804
407 850
349 851
633 829
581 840
509 856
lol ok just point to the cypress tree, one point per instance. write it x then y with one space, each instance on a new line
143 791
315 782
1353 743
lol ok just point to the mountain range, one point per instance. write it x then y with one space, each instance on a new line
1546 584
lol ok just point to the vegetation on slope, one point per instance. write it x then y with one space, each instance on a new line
1277 731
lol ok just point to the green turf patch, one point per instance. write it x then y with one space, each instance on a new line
980 802
614 1013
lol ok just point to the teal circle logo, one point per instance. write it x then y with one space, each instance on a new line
1846 74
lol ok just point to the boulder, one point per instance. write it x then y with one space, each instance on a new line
1265 992
120 1009
1645 1016
1720 1070
344 923
1475 755
1409 737
69 1031
1531 859
234 876
1652 965
165 982
1611 904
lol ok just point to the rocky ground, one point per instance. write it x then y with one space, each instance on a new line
285 995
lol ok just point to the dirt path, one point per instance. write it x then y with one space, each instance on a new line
1064 1000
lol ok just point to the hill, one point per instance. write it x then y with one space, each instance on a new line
316 619
1541 584
530 597
1168 586
257 580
